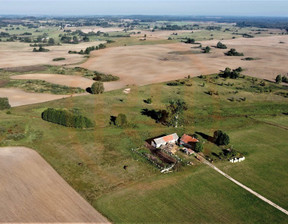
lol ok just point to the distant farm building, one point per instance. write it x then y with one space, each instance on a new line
158 142
187 140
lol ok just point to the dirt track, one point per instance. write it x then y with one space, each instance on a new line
31 191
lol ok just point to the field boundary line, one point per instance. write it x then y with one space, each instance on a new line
245 187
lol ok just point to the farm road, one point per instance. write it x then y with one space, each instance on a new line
243 186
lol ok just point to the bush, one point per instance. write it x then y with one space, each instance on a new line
4 103
66 118
221 46
121 120
278 79
206 49
234 74
198 147
233 52
104 77
59 59
285 79
97 88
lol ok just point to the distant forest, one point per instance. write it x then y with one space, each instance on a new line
261 22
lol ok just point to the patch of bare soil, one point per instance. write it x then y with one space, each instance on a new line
32 191
18 97
148 64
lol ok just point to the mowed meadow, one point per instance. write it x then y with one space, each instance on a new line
92 160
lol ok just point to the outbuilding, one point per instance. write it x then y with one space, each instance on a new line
158 142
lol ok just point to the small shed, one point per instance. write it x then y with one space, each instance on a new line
157 142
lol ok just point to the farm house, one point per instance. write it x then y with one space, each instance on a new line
187 140
158 142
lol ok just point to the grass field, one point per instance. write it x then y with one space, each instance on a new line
92 161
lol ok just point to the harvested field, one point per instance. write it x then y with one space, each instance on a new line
99 28
18 97
31 191
15 54
157 63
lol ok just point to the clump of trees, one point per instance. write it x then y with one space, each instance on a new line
221 138
4 103
104 77
221 46
206 49
233 52
97 88
66 118
40 49
232 74
280 79
189 41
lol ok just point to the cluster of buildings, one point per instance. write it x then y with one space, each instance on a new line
186 141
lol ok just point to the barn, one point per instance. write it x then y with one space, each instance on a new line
158 142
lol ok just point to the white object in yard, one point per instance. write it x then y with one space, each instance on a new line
127 90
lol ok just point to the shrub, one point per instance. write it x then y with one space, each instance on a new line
206 49
278 79
4 103
121 120
104 77
59 59
221 46
233 52
97 88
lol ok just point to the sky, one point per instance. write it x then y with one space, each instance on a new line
146 7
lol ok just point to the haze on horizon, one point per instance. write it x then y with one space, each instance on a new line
276 8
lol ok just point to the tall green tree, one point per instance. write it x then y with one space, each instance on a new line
175 110
97 88
278 79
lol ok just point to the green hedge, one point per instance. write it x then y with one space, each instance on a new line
66 118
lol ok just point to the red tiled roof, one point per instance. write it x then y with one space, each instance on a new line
168 138
186 138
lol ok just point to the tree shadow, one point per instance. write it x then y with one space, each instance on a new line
112 120
207 137
89 90
150 113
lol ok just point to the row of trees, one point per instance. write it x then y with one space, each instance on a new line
88 49
66 118
232 74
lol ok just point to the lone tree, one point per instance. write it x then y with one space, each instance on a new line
206 49
4 103
176 109
221 138
121 120
278 79
97 88
198 147
221 46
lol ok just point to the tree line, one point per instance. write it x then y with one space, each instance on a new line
66 118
